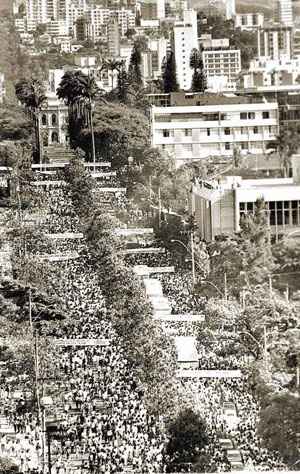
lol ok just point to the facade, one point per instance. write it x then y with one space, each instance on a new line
275 42
207 42
222 68
230 9
285 12
264 72
185 39
195 132
57 28
113 39
249 21
219 205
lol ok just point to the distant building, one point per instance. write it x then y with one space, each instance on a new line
285 12
219 205
207 42
266 72
185 39
249 21
274 41
113 39
82 29
222 68
230 9
57 28
193 132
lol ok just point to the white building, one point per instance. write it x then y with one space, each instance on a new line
230 9
161 9
207 42
219 205
274 41
195 132
222 68
57 28
285 12
268 72
249 21
185 39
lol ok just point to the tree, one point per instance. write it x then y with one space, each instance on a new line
134 69
187 437
169 74
286 144
79 92
113 65
14 124
279 425
31 93
122 86
199 79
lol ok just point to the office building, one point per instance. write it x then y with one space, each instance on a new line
285 12
275 41
195 132
219 205
230 9
267 72
113 38
249 21
185 39
222 68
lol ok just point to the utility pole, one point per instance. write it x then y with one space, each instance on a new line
225 287
192 238
159 208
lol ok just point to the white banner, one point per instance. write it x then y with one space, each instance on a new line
182 318
58 257
161 269
65 235
81 342
144 250
48 183
104 175
130 231
209 374
109 190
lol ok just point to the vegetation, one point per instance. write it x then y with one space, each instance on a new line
199 79
170 83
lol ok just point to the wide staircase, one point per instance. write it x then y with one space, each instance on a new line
58 154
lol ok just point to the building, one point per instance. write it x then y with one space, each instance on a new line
249 21
207 42
82 29
193 132
230 9
160 9
113 39
56 28
285 12
152 59
262 73
2 87
275 41
185 39
222 68
219 205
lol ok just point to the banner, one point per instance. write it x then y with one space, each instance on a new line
59 257
209 374
109 190
104 175
65 235
81 342
131 231
161 269
182 318
144 250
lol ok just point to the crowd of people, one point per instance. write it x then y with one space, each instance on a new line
98 399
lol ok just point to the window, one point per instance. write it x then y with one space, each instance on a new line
227 131
255 129
187 132
166 133
208 132
227 146
266 115
244 131
244 145
251 115
243 116
54 137
44 119
53 119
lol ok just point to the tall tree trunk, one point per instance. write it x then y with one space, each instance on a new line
92 133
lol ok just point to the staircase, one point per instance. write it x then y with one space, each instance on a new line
58 154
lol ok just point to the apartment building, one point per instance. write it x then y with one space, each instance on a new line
195 132
249 21
185 39
263 72
275 41
219 205
113 38
285 12
222 67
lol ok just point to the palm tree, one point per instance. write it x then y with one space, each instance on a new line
79 91
113 65
286 144
31 93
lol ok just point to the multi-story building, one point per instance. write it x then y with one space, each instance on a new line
2 87
56 28
249 21
262 73
113 38
219 205
207 42
185 39
36 12
230 9
152 9
275 41
285 12
222 68
195 132
152 59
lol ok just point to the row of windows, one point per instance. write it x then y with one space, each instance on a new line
278 212
188 132
227 146
211 117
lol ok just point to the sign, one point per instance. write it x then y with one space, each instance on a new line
48 183
182 318
62 164
209 374
109 190
59 257
131 231
81 342
161 269
144 250
104 175
65 235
